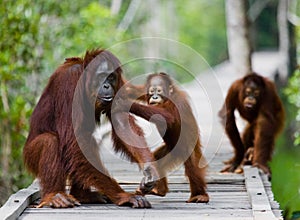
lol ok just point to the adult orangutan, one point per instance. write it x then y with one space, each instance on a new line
168 107
59 148
256 100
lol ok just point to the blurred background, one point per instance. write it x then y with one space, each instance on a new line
36 36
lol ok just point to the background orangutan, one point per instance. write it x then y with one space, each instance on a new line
181 137
256 100
57 147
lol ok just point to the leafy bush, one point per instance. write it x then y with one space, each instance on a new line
293 95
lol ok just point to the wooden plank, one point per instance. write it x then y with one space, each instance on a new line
166 210
143 214
221 206
17 202
259 200
186 188
212 177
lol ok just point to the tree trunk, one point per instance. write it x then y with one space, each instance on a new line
287 42
129 15
238 36
115 7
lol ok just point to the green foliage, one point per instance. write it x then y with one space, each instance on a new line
19 31
293 95
285 163
199 25
71 29
286 180
84 31
202 27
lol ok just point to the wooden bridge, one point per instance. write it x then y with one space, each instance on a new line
232 196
